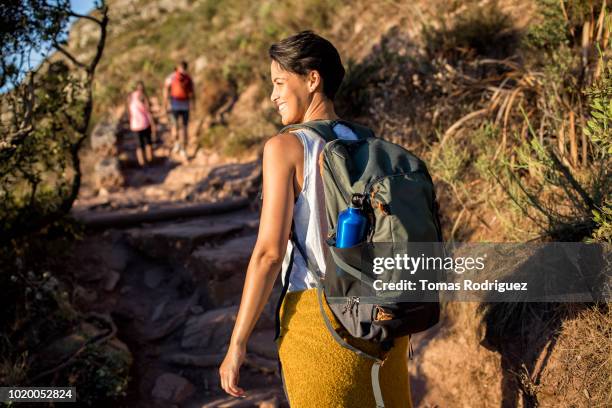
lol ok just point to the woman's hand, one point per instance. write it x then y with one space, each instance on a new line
229 371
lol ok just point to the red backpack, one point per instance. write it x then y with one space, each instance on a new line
181 86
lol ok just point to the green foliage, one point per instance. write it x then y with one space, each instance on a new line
600 134
35 171
449 161
213 136
598 128
603 220
485 140
242 141
554 196
101 374
33 23
550 31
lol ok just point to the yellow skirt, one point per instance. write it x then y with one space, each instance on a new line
319 372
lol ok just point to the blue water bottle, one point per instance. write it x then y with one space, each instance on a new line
352 223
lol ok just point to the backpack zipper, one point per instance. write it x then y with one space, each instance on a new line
369 186
350 303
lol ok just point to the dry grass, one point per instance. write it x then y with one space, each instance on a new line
579 371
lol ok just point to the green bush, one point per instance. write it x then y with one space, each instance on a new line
550 31
599 131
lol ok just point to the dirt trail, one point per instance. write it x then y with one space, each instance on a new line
114 180
173 289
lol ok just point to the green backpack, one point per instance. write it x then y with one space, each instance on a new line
398 196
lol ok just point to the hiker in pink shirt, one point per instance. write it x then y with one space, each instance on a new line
141 122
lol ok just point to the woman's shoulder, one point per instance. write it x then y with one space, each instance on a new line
285 140
284 146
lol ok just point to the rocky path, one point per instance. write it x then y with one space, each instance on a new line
173 291
113 180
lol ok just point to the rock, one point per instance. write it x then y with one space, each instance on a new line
199 64
103 193
178 239
153 277
170 325
107 173
271 403
199 360
264 365
172 388
223 293
211 330
254 398
262 343
197 309
111 281
104 135
231 180
225 261
117 258
159 310
84 295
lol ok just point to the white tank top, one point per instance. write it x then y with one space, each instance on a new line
309 215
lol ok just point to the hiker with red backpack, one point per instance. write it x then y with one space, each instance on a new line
179 98
332 335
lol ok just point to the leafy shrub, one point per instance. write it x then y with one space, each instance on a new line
550 32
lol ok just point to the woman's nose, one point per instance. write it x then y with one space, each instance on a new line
273 95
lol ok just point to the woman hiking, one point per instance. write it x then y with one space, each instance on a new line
141 122
306 72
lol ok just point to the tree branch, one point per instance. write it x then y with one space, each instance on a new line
68 55
101 42
91 18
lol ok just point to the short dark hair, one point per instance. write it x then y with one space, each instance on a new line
306 51
183 64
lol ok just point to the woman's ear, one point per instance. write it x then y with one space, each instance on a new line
313 80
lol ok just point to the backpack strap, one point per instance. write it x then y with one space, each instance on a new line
324 128
313 270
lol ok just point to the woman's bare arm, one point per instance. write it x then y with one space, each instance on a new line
279 166
274 228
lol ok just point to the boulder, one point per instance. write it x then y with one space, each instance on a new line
195 360
261 397
104 135
111 280
178 239
262 343
172 388
223 262
154 276
108 173
211 330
